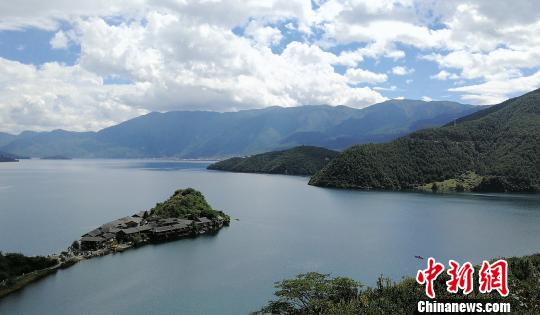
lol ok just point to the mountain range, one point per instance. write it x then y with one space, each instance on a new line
204 134
496 149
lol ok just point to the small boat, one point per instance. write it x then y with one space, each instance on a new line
418 257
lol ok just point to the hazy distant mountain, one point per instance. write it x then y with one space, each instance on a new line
202 134
6 138
496 149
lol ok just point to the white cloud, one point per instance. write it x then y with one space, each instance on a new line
174 63
55 96
426 99
496 91
59 40
356 76
382 88
400 70
445 75
184 54
263 35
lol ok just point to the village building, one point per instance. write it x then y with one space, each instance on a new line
136 229
91 242
203 222
129 233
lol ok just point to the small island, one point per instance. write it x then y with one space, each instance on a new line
185 214
56 157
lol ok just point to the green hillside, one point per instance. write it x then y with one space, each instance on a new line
500 145
302 160
186 203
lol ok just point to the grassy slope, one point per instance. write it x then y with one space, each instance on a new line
501 144
302 160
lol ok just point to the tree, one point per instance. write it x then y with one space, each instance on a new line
311 293
75 246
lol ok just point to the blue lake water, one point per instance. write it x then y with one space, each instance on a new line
284 227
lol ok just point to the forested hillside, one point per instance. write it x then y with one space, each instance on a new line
302 160
500 145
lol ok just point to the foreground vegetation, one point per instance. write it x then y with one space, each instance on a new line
302 160
13 265
500 144
315 293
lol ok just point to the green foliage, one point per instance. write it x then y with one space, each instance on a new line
12 265
75 246
302 160
500 144
311 293
315 293
185 203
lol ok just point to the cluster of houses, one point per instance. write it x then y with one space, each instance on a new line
137 229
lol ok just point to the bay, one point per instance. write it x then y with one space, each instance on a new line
283 227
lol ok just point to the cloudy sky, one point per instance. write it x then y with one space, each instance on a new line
85 65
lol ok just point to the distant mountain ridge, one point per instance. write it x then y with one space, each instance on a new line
496 150
203 134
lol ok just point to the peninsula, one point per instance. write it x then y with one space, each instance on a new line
185 214
301 160
56 157
7 157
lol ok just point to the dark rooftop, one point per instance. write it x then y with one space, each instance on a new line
92 239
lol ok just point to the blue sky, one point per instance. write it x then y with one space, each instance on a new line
92 64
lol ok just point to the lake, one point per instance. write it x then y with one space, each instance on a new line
284 228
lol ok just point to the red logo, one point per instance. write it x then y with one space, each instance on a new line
491 277
494 277
460 277
429 275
